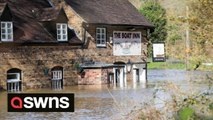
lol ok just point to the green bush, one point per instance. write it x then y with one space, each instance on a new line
186 113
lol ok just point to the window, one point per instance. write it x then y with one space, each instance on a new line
62 32
6 31
57 78
57 75
14 80
13 77
101 37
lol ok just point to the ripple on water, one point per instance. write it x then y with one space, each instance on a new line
109 102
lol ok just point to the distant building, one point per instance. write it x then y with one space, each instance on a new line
84 42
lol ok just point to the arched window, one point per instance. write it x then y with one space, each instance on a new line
57 77
14 80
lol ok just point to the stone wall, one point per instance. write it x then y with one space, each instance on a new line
105 72
33 60
106 54
75 21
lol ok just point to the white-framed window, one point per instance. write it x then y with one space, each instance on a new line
101 37
57 75
62 32
6 31
13 77
13 82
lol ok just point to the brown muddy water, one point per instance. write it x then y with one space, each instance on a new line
112 102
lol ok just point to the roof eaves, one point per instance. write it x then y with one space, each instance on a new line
144 26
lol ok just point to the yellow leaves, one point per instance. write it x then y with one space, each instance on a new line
188 50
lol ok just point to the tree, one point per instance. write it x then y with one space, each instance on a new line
202 20
156 14
201 28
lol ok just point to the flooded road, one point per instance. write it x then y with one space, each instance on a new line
110 102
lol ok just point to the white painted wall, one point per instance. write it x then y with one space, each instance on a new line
122 81
142 73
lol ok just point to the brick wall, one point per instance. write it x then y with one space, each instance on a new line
95 76
91 77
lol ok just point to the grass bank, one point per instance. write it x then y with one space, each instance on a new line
177 66
166 65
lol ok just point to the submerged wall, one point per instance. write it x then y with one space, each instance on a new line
36 63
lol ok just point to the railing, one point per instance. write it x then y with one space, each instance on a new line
57 84
14 86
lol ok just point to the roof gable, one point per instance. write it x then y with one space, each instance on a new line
5 12
113 12
28 23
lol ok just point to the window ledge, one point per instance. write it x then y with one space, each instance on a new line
101 46
13 80
6 41
66 41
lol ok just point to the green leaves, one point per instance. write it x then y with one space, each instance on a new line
157 15
211 106
186 113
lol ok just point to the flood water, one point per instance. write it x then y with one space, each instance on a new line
110 102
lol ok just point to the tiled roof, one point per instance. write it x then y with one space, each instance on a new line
2 6
89 65
96 65
47 14
113 12
28 25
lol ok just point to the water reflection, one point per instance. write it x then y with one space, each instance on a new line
108 101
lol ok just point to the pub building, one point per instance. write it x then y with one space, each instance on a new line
74 42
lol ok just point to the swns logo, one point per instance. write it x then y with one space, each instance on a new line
40 102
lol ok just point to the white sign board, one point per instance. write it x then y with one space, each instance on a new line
126 43
158 52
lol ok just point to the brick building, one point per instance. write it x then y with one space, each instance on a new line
82 42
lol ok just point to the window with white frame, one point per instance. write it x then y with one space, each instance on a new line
62 32
57 78
13 82
13 77
57 75
6 31
101 37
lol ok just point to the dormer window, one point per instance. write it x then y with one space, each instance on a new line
61 32
6 31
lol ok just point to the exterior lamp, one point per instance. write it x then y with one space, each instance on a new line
129 66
